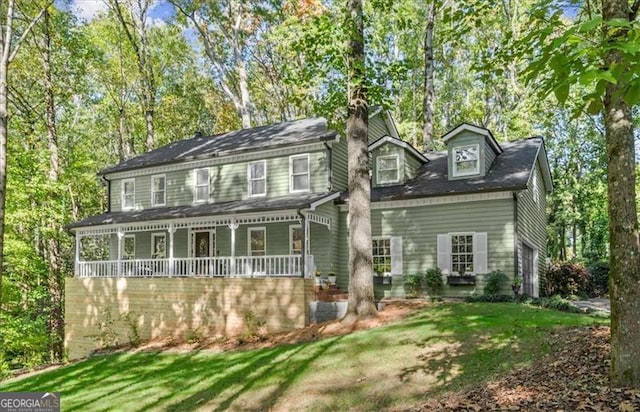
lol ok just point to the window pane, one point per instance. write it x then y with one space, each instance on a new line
158 198
296 240
301 182
257 170
202 177
202 193
258 187
158 183
128 187
300 165
257 242
129 247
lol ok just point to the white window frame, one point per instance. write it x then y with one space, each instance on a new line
291 249
196 185
123 195
472 253
480 247
256 229
125 256
153 242
534 186
378 238
395 157
251 179
164 190
291 175
454 165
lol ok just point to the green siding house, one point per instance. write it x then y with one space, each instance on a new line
272 201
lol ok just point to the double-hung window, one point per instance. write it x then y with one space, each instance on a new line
381 256
299 173
257 176
388 169
201 185
466 160
463 253
128 247
158 190
128 194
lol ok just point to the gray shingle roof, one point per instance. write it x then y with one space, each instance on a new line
258 138
509 171
210 209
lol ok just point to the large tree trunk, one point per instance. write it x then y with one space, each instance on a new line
361 304
623 218
429 89
53 253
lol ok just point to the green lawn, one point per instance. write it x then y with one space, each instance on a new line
441 348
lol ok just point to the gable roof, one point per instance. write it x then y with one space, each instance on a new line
466 127
291 133
401 143
510 171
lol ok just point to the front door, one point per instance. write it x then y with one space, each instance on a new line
527 270
203 246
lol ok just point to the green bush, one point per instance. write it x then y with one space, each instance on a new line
495 283
557 302
565 279
413 285
598 280
491 298
433 281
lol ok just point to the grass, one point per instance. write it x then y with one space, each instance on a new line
438 349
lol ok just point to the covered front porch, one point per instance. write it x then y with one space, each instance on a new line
267 244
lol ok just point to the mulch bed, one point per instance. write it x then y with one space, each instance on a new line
572 377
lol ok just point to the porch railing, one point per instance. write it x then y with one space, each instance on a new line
250 266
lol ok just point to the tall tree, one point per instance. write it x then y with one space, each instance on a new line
597 56
132 15
9 46
361 304
429 88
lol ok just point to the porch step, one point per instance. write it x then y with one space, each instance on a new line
333 294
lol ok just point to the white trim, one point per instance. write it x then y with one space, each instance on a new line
212 243
256 229
217 160
291 159
123 182
124 242
394 156
164 190
195 185
454 162
473 129
324 200
322 220
374 238
399 143
472 234
535 190
544 162
251 179
153 243
435 200
291 228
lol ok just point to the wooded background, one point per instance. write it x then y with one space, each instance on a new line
84 95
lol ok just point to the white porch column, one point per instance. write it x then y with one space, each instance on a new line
120 237
78 244
305 247
172 231
233 226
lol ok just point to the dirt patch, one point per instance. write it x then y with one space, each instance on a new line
573 377
393 311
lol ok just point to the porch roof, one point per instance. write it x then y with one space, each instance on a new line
251 205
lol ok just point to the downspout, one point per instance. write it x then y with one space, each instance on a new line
329 164
515 234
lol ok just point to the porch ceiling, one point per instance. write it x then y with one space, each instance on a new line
222 213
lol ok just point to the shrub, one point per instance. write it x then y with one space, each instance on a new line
557 302
433 281
565 279
495 282
598 281
413 285
491 298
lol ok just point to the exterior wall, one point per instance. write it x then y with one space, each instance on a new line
176 307
532 221
466 138
324 242
228 181
377 127
419 227
411 165
340 167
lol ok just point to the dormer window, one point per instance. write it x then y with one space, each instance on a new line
466 160
387 169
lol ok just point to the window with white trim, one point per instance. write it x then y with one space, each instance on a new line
257 241
299 180
387 169
158 190
462 253
466 160
129 247
295 240
128 193
257 176
158 245
534 186
381 255
202 189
